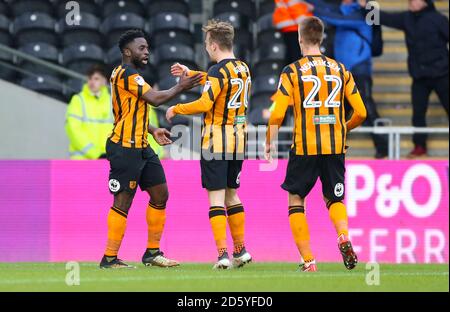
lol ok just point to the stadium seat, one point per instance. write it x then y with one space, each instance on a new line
273 52
155 7
244 7
242 52
243 37
171 37
42 51
268 68
80 57
265 23
113 7
185 97
114 26
72 86
5 37
255 113
167 54
34 27
150 74
113 56
239 21
264 84
47 85
173 52
258 102
87 31
169 21
20 7
4 8
86 6
268 37
266 7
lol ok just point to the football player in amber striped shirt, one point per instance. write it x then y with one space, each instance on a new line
317 87
224 107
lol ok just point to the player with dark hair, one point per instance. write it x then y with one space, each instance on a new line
132 162
317 86
224 106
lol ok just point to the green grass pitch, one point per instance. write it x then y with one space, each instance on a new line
200 277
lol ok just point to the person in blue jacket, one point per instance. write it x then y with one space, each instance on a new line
353 48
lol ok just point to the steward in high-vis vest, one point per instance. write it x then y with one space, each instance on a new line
89 118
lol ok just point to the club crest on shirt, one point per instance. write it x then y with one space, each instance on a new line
207 86
139 80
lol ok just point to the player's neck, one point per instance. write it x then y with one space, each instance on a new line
310 51
128 63
225 56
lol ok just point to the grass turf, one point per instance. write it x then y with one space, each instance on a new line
200 277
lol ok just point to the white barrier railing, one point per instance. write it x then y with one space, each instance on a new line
394 135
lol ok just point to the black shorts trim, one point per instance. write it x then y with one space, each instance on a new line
220 174
132 167
303 171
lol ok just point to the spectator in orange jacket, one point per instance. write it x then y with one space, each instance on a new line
286 17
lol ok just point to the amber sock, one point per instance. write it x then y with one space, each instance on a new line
156 218
218 220
117 223
338 215
236 221
300 231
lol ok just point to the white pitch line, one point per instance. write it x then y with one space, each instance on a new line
298 275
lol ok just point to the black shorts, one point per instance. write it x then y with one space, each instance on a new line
302 173
220 174
130 167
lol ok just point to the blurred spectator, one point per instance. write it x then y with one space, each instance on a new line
286 17
89 117
426 33
353 47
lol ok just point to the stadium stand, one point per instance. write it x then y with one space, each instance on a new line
86 6
38 28
87 31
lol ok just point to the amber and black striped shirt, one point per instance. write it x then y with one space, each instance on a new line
224 105
130 110
317 86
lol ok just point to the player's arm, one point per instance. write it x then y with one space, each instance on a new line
211 91
178 70
332 15
389 19
186 82
353 97
281 101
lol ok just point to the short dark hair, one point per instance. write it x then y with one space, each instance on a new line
96 69
311 30
129 36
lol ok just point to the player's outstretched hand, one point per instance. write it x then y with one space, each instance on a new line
162 136
170 114
178 69
188 82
